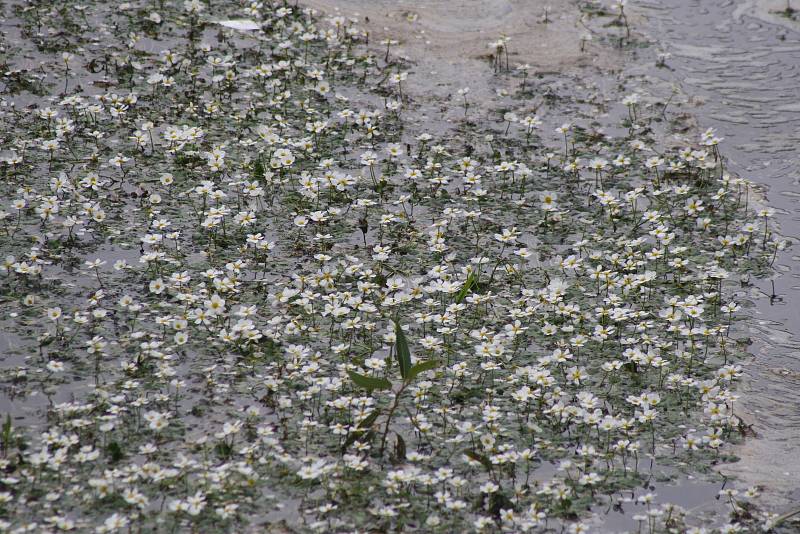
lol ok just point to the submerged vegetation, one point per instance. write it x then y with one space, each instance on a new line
243 292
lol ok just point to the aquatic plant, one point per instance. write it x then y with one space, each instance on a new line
250 292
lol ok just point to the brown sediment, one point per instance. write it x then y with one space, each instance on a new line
448 42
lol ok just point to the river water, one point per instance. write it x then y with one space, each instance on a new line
739 62
733 65
736 64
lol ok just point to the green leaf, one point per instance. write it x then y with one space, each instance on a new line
421 368
400 448
114 451
469 284
368 420
401 348
223 449
352 438
499 502
357 435
368 382
364 429
479 458
258 170
7 432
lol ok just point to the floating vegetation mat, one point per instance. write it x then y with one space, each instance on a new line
242 292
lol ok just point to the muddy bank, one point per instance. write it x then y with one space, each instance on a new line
448 43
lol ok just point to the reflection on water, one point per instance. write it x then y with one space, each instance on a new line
699 498
738 61
742 60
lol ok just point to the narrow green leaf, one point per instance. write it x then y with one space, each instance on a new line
258 170
400 448
368 382
7 432
421 368
479 458
470 282
114 451
357 435
401 348
368 420
364 429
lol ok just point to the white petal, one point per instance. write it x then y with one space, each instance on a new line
240 24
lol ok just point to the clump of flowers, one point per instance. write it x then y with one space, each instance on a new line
242 283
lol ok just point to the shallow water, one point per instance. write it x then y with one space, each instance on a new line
446 43
736 64
740 63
